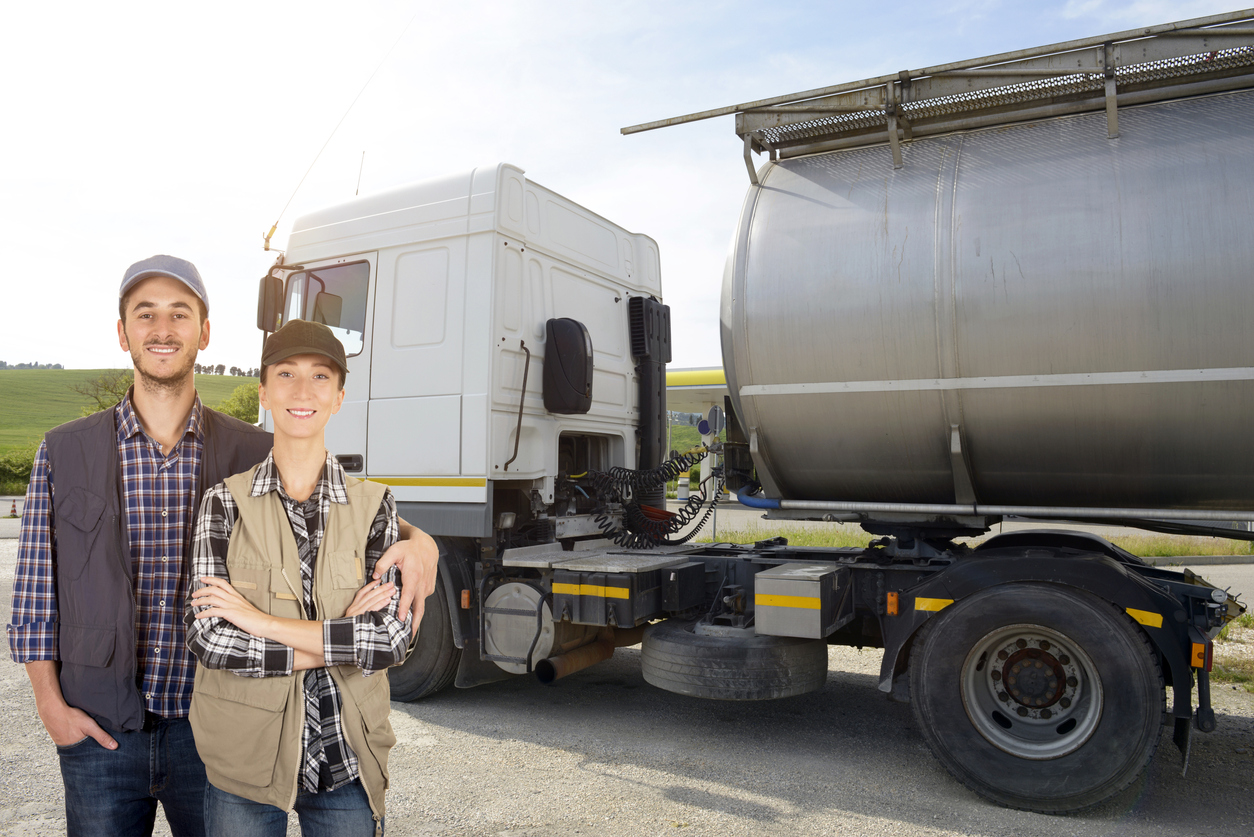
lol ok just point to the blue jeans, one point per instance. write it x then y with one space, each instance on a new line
343 812
114 793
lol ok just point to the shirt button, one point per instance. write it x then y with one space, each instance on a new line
163 512
165 558
156 650
148 696
162 603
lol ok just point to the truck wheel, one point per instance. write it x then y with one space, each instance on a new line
433 663
1038 697
730 664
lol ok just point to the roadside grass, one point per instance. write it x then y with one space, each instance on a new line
1243 622
837 536
848 535
1234 653
1171 546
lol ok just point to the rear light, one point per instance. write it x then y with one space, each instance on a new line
1203 655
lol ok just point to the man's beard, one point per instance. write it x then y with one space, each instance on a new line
172 380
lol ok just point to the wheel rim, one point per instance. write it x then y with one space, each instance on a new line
1031 692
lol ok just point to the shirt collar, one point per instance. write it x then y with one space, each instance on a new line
331 484
129 426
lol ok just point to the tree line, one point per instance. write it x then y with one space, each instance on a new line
35 365
221 369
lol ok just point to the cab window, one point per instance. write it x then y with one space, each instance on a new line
334 296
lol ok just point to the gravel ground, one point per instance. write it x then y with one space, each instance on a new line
602 752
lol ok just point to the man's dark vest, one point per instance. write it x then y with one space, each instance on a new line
95 584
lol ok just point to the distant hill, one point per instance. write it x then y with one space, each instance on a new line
33 401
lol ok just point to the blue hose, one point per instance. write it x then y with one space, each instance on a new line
754 502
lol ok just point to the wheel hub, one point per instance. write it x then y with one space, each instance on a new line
1031 692
1033 679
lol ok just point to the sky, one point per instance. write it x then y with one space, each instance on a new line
135 128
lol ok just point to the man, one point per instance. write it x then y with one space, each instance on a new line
103 567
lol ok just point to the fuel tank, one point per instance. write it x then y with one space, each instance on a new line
1033 315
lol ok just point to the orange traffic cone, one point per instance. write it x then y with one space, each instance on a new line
13 509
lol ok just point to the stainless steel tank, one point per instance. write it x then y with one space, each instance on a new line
1065 317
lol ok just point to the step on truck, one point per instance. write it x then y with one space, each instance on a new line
1016 286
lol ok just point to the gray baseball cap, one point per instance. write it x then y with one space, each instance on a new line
172 266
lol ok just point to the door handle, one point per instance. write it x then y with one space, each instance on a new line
350 461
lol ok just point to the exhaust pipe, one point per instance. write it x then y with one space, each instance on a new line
555 668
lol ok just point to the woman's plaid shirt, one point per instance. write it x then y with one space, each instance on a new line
371 641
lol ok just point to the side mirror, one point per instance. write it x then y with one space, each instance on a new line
567 367
269 303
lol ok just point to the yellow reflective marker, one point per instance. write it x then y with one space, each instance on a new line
769 600
921 603
1147 618
592 590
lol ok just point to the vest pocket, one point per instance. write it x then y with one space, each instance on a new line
86 645
81 510
238 723
372 698
347 569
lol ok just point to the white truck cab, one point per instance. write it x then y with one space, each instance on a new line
447 295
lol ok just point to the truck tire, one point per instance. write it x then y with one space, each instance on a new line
1037 696
737 665
432 665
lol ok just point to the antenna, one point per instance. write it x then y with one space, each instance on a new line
359 168
336 128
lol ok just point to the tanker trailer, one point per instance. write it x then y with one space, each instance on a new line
1017 285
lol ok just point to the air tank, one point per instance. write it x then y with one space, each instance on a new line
1033 314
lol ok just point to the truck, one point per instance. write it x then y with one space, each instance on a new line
1015 286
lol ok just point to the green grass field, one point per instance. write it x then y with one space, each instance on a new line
33 401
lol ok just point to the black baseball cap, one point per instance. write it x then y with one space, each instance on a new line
301 337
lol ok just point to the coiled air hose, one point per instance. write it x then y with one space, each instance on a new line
643 531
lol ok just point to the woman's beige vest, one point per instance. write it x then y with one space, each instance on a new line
248 729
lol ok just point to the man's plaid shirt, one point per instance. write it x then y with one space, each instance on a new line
159 501
371 641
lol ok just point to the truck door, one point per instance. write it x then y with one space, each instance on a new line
416 375
336 293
